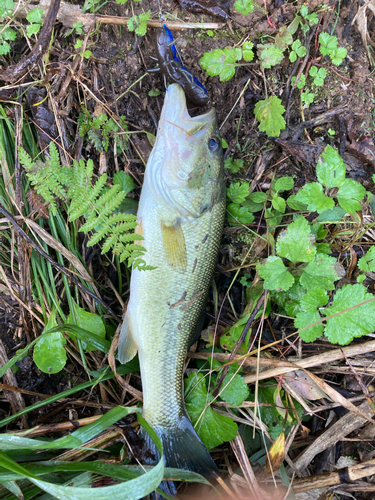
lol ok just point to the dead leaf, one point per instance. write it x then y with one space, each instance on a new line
364 150
361 19
304 386
276 455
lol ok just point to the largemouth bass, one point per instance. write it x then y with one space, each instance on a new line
180 215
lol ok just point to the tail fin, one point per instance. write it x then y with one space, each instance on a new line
183 449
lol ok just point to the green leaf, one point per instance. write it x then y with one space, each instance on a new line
312 195
301 81
294 204
350 194
328 43
32 29
314 299
212 428
221 62
237 192
292 57
35 15
239 214
4 48
354 323
290 300
244 6
237 390
307 98
367 262
293 26
9 34
49 353
276 276
125 181
297 242
154 92
279 203
139 23
322 272
270 56
338 55
283 38
252 206
6 8
87 321
233 166
269 113
247 52
283 184
304 10
331 171
258 197
333 215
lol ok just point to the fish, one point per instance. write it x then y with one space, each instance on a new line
173 69
180 216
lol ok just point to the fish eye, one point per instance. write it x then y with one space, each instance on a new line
213 143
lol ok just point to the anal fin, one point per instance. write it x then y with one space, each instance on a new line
127 347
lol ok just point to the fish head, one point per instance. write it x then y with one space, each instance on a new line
186 164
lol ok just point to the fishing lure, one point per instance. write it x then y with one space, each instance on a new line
174 71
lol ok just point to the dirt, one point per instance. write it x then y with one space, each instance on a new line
118 80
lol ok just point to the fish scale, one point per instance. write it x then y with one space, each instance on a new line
180 216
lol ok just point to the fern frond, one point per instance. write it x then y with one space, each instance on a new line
93 200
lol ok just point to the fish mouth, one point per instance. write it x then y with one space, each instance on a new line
176 115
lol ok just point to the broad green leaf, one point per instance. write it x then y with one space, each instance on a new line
129 490
354 323
212 428
87 321
338 55
273 218
244 6
350 194
125 181
35 15
279 203
312 195
322 272
283 184
304 10
291 299
294 204
49 353
239 214
328 43
252 206
331 172
236 392
333 215
247 52
221 62
4 48
32 29
367 262
314 299
237 192
307 98
293 26
297 242
9 34
276 276
258 197
233 166
270 56
301 80
6 8
269 113
304 319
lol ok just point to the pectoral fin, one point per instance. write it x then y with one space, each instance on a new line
174 246
127 347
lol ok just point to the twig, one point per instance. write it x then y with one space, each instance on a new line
62 269
331 112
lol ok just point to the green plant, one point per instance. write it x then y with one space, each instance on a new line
75 185
139 23
244 7
269 114
92 6
77 28
310 19
328 46
233 166
86 54
301 81
35 18
100 129
298 50
318 75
